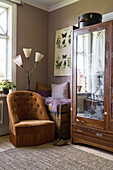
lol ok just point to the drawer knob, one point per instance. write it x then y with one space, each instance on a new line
77 120
98 134
79 130
82 121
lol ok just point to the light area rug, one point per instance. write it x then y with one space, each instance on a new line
49 157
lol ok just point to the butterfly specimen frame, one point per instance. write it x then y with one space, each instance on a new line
63 50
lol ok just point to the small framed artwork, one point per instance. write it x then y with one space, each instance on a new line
63 50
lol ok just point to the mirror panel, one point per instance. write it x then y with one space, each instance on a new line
90 74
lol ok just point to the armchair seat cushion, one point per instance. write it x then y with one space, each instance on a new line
28 127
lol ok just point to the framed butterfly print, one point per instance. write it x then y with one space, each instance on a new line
63 50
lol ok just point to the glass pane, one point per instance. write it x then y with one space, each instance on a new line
3 21
2 58
90 75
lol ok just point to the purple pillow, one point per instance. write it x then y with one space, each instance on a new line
60 90
44 93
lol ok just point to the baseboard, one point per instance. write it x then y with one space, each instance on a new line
4 131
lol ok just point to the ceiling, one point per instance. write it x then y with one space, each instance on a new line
49 5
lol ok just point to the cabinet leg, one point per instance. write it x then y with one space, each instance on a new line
73 141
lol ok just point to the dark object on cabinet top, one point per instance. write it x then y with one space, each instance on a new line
89 19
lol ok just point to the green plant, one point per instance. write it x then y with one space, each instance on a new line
69 62
58 42
7 84
69 39
58 64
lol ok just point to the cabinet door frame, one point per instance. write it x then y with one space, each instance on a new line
104 124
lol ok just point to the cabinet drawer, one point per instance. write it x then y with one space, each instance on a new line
95 136
89 122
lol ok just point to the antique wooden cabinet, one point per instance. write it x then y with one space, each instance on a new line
92 86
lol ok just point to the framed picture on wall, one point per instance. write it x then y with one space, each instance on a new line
63 50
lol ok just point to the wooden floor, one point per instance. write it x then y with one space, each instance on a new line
6 145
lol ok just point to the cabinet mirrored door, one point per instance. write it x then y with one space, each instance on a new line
90 74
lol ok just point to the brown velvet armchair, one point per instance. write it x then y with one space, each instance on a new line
29 123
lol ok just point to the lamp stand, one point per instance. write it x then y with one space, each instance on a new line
29 74
28 79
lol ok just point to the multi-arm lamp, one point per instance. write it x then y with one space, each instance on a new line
27 53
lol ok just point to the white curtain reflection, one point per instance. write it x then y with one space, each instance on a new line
98 64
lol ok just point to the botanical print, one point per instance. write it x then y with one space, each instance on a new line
62 63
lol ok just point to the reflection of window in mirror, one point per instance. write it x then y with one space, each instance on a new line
83 51
90 74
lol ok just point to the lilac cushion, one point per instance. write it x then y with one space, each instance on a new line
44 93
60 90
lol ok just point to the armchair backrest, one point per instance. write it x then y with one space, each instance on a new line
26 105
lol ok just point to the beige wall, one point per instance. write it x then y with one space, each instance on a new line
68 16
32 30
36 30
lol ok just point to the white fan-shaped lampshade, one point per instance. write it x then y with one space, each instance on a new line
18 60
27 52
38 57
